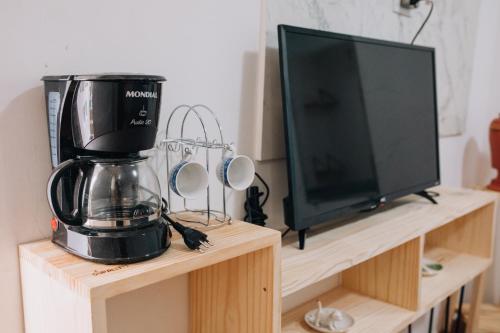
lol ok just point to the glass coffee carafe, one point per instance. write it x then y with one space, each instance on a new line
108 193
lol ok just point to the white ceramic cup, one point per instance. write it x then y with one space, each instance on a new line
188 179
236 172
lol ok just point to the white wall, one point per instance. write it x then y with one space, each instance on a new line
451 30
465 160
206 49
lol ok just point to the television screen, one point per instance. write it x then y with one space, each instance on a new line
360 121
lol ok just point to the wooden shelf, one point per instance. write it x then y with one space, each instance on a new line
458 269
377 316
97 280
377 258
64 293
369 314
330 250
235 285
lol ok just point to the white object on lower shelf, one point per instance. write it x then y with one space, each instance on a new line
329 320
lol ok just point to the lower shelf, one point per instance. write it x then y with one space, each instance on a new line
372 315
458 269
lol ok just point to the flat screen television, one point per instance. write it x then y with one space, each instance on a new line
361 123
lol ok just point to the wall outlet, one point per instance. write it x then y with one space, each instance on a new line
396 8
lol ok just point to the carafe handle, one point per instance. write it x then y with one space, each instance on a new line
55 177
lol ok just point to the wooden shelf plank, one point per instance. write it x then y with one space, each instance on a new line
235 295
372 315
469 234
369 314
393 277
331 250
94 280
458 269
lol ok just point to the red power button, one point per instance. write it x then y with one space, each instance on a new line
53 224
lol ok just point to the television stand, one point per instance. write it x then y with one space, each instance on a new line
427 195
373 265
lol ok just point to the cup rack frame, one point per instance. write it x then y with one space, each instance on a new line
186 145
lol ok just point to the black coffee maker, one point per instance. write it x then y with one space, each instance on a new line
105 198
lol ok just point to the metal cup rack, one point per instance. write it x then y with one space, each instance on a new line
180 143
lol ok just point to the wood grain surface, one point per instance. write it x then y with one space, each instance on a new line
331 250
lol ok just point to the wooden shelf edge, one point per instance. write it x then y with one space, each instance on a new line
99 281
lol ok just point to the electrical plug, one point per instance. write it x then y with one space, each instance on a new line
194 239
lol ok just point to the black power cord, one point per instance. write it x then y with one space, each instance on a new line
423 24
254 206
447 315
431 320
194 239
459 323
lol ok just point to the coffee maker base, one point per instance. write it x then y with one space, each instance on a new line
114 247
